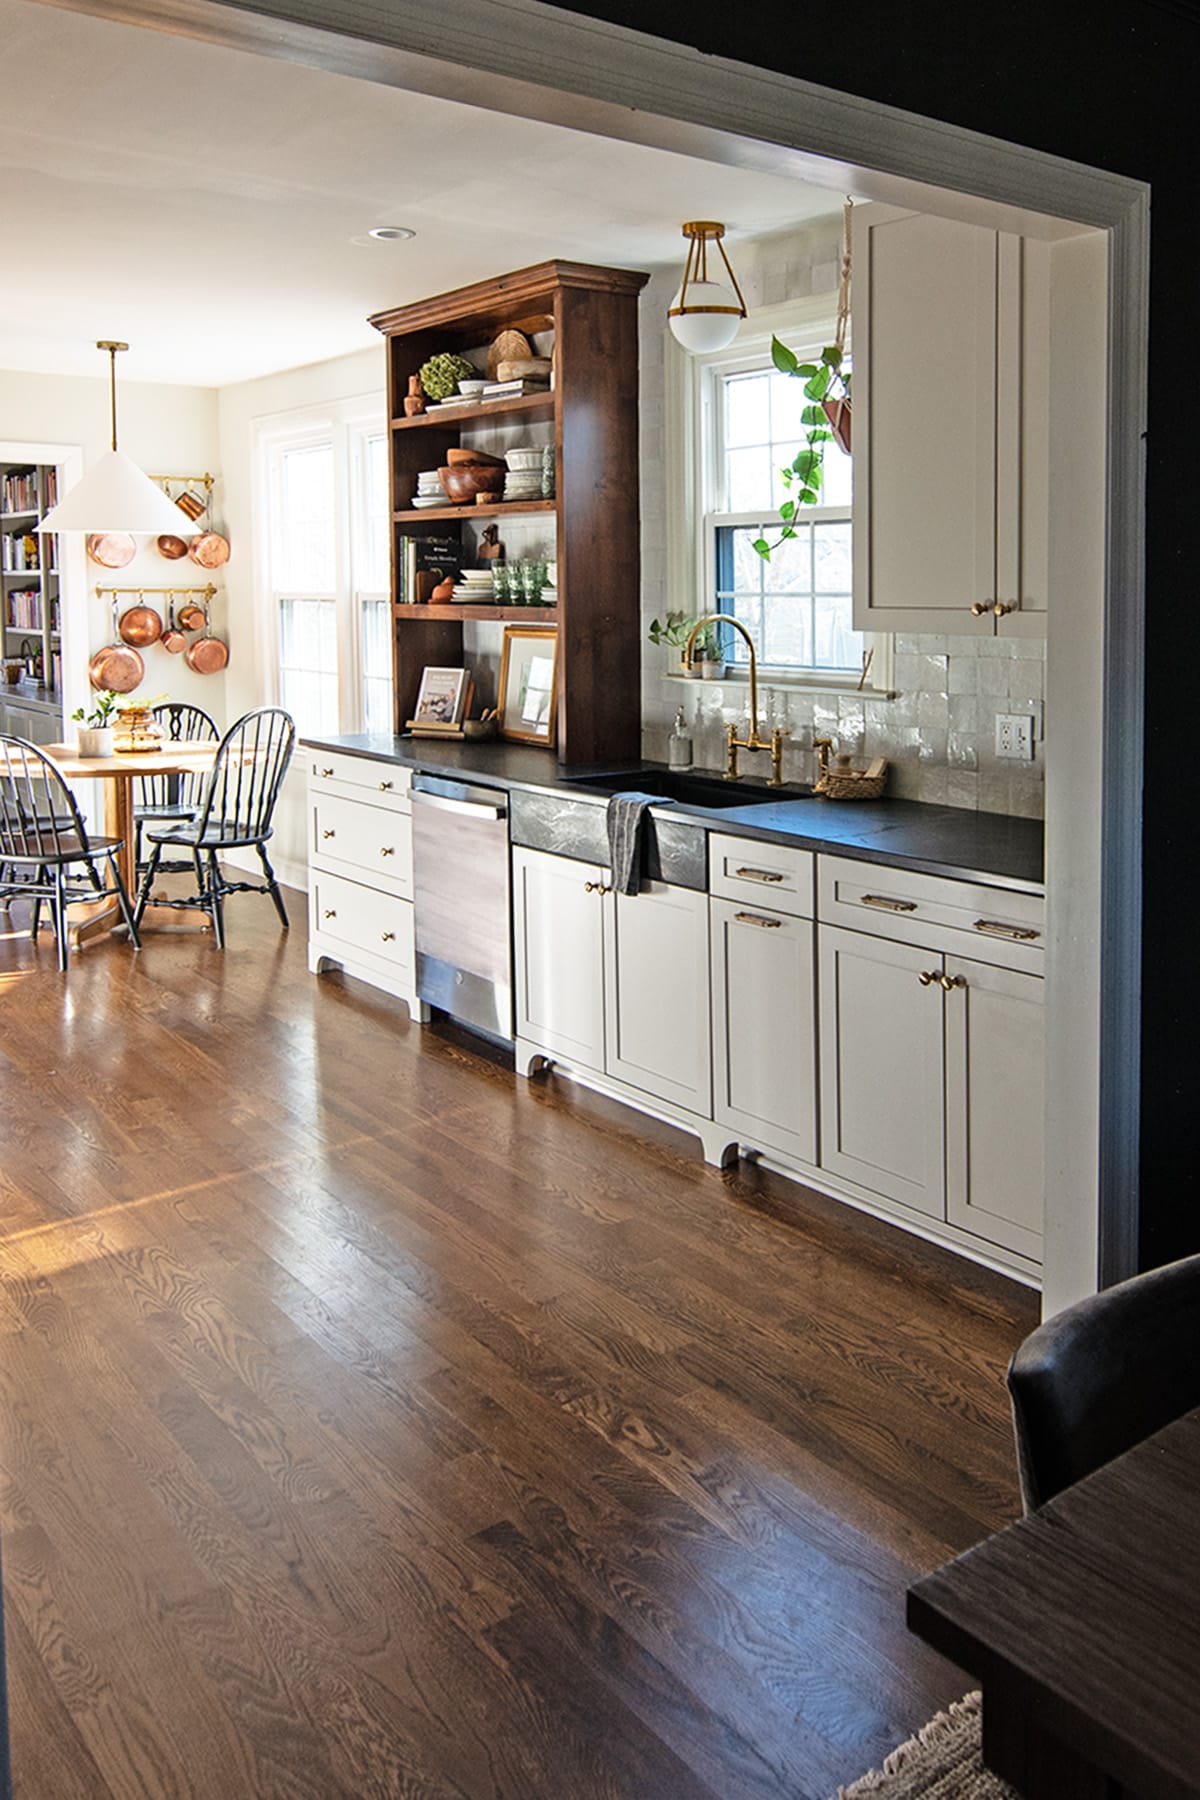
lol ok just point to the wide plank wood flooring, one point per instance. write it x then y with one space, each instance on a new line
377 1426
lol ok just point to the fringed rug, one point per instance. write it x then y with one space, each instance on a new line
943 1762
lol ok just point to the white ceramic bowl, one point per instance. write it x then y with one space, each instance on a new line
524 458
471 390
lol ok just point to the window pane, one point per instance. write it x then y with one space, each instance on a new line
308 662
305 524
748 474
371 555
797 605
787 638
377 665
747 409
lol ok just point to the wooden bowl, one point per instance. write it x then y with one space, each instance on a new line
465 457
463 483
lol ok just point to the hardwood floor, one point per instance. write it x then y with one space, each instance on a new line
374 1424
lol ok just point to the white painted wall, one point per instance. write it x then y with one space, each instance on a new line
250 679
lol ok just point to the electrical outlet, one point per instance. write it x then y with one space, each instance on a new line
1014 736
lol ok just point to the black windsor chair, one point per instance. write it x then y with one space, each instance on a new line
43 837
234 813
160 798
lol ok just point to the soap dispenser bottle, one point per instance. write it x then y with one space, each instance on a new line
679 744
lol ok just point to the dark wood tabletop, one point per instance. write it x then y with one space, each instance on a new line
1082 1624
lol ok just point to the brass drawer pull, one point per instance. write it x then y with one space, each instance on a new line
595 887
386 850
388 936
328 834
950 982
1022 933
330 912
927 977
385 787
759 874
980 607
324 771
754 919
888 905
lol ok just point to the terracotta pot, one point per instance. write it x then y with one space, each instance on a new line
838 414
117 667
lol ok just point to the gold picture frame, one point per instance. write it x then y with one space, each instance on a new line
528 703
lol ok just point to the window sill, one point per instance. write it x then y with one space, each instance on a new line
770 678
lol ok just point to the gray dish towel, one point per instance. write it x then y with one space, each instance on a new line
626 823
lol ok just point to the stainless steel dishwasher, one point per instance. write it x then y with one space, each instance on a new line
461 899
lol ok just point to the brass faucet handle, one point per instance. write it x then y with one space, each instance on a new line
819 743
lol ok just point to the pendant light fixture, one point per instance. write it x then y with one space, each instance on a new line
114 495
704 314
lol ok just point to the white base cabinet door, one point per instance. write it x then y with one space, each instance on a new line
995 1089
764 1028
656 979
558 943
882 1076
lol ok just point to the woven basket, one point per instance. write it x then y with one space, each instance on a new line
851 784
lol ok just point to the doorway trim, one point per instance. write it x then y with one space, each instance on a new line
523 57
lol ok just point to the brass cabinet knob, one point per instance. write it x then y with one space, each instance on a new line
388 936
1004 606
386 850
928 976
328 834
950 982
980 607
595 887
330 912
385 787
324 771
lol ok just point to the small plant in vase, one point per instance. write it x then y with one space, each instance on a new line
96 726
674 628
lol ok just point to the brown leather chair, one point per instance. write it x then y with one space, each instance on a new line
1104 1374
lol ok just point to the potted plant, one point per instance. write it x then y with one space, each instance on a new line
96 727
675 628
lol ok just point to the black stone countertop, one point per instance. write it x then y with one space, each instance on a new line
941 840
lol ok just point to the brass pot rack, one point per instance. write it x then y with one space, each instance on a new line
209 592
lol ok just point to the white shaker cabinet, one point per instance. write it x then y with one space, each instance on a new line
615 984
882 1068
932 1057
360 872
952 408
558 943
763 995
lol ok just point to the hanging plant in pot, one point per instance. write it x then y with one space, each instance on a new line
825 416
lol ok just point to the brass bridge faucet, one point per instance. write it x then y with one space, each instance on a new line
753 741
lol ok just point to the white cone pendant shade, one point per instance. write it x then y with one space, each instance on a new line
114 495
705 315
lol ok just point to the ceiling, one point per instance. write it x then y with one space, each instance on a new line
203 203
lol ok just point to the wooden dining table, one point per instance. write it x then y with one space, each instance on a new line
1081 1622
118 773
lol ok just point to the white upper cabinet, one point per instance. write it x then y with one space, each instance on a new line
952 403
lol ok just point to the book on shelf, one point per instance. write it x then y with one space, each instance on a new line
524 384
423 562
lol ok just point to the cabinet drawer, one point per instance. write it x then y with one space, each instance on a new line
370 842
364 921
358 777
1000 925
762 874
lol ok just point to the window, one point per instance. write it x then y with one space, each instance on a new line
325 488
743 420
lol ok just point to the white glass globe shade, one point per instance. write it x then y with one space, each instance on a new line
700 331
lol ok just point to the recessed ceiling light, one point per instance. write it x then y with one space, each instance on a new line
390 234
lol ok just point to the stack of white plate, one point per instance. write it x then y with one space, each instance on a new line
430 491
524 479
474 585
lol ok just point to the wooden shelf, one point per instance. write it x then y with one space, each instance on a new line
537 406
514 615
502 510
6 517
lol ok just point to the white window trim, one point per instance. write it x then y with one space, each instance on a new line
689 397
346 424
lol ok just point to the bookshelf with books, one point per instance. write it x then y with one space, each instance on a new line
585 318
29 601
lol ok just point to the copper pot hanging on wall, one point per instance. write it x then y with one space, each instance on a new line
117 668
140 626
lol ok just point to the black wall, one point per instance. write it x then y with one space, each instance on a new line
1116 87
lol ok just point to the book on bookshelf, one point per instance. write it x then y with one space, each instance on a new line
423 562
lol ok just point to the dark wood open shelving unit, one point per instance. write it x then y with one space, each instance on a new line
591 417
